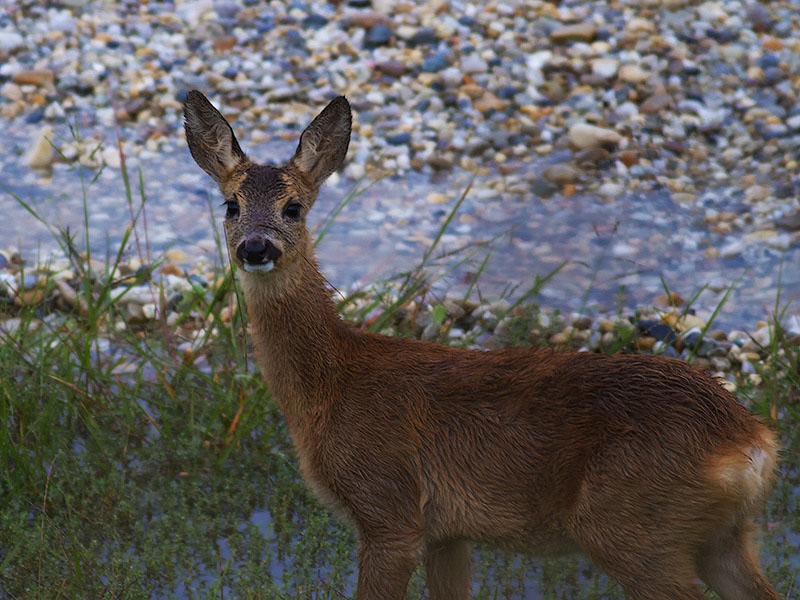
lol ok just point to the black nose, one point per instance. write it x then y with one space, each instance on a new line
257 252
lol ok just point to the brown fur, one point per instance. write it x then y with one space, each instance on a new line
643 463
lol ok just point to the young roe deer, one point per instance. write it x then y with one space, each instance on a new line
643 463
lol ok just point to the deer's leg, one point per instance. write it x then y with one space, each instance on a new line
385 565
728 563
650 575
652 558
448 569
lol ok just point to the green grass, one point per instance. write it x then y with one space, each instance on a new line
149 461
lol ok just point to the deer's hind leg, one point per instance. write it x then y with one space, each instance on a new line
728 563
648 574
448 569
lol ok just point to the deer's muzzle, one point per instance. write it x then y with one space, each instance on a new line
257 254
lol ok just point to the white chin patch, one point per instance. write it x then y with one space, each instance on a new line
262 268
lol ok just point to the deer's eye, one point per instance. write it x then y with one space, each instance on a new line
232 209
292 211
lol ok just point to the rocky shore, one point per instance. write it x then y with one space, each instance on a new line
691 103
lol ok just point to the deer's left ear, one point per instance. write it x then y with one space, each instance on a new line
323 145
211 140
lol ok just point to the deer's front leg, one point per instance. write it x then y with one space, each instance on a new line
448 570
385 565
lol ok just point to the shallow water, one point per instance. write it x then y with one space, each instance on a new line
617 250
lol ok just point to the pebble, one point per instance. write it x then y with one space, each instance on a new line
605 67
39 77
41 153
656 103
561 174
583 32
584 135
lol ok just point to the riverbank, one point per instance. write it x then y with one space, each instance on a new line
654 141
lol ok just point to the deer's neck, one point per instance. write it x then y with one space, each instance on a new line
298 336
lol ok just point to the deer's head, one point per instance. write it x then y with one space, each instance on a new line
267 205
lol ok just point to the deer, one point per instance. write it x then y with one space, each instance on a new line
645 464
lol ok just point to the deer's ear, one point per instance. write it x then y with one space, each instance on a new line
210 138
323 145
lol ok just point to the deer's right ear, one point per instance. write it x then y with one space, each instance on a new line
210 138
323 145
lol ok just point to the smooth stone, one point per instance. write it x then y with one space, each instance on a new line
605 67
11 40
473 64
561 174
656 103
37 77
399 139
592 156
633 74
581 32
435 62
378 35
583 135
610 190
426 36
41 153
392 68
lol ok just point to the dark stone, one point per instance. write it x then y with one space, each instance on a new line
295 38
542 188
723 36
789 222
671 352
360 3
468 21
507 92
477 146
759 17
657 330
265 24
423 105
692 70
399 139
174 302
112 44
603 34
71 83
36 116
773 75
314 21
426 36
378 35
435 62
768 60
700 345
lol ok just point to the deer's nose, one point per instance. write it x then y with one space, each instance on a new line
257 252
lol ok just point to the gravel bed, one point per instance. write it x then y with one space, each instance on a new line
661 137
